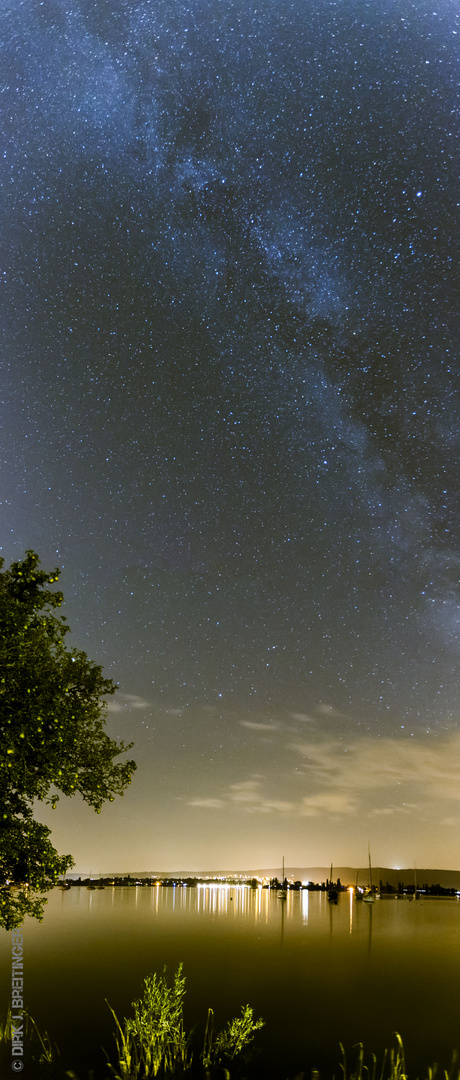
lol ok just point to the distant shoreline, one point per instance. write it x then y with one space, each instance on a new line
348 876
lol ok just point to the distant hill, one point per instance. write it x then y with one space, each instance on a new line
347 874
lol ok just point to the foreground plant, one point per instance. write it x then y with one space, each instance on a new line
41 1051
393 1066
154 1040
232 1040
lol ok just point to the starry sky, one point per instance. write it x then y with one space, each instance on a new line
230 412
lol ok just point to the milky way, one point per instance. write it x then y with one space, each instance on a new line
230 376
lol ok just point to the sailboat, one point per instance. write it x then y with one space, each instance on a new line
332 892
415 896
369 895
282 893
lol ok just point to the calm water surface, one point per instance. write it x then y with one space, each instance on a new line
316 973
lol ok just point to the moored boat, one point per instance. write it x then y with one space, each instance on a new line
332 891
282 893
369 895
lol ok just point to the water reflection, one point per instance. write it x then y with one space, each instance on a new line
221 899
369 940
242 944
282 907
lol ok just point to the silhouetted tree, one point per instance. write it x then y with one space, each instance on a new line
52 738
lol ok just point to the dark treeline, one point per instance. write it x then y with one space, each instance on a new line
409 890
128 880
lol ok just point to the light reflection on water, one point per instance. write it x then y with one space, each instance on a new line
317 973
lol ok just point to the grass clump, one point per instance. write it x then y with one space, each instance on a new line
42 1053
232 1041
154 1042
393 1066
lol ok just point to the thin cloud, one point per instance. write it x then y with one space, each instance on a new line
245 792
333 803
255 726
328 710
381 778
127 701
279 806
208 804
248 795
429 765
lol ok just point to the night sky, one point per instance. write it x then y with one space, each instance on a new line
231 413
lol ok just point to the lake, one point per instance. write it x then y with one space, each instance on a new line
316 973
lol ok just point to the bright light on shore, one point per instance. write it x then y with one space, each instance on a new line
213 885
219 885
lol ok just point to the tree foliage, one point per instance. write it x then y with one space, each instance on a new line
52 734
